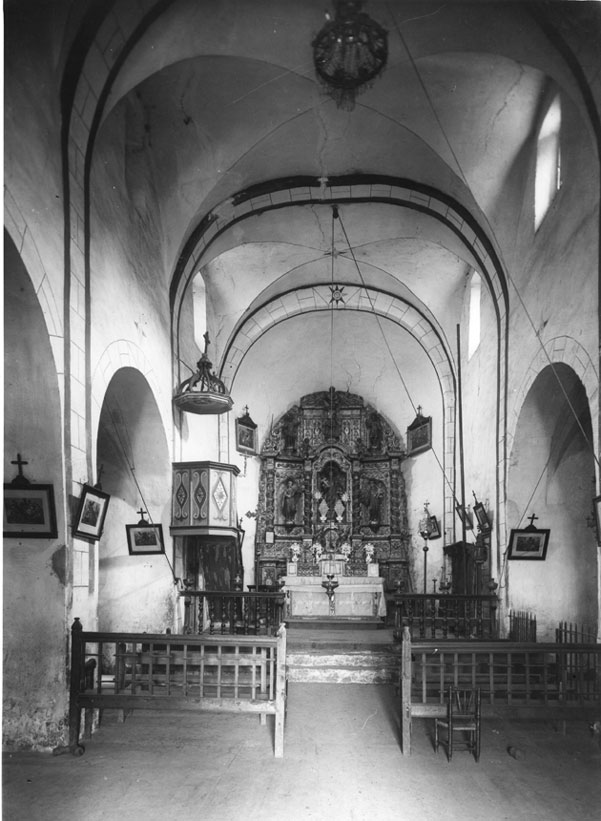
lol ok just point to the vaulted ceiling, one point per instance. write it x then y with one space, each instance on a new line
223 102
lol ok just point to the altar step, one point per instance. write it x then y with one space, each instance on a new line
336 622
349 667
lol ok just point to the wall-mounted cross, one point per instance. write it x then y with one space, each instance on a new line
141 512
20 480
532 518
19 462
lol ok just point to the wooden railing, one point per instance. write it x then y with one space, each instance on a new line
508 674
232 613
242 674
445 615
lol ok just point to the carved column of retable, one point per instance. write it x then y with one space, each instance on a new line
395 495
356 509
308 498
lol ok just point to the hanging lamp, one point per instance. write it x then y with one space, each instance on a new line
349 52
203 392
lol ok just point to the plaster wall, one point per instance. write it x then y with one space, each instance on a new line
36 572
554 280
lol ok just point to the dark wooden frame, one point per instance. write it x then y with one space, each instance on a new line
434 528
539 553
464 516
17 527
90 530
482 517
136 539
246 439
419 436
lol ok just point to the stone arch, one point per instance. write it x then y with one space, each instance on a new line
132 448
565 350
365 189
387 306
551 474
17 229
122 353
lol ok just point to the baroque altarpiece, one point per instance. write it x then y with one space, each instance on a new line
331 482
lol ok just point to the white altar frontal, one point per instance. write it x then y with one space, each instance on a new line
354 597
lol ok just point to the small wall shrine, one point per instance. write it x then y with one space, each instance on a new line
331 488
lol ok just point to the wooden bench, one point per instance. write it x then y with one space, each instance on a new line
235 674
555 681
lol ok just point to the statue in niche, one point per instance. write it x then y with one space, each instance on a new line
289 501
373 495
374 426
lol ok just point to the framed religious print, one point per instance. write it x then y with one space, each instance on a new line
144 538
29 512
465 516
91 513
246 435
419 434
529 544
482 517
434 527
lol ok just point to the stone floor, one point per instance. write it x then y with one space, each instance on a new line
342 760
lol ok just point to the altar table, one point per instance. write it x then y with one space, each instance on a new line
354 596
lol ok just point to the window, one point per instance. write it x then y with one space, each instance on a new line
548 162
473 339
199 307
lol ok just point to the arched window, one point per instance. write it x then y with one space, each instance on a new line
473 340
199 303
548 162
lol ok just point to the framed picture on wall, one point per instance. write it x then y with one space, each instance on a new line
482 517
419 435
529 544
91 513
246 438
144 539
434 527
29 512
465 516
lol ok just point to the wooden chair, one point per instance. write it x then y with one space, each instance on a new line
463 716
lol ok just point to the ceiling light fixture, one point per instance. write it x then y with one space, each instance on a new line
203 392
349 52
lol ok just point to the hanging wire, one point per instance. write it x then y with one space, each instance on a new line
390 353
129 461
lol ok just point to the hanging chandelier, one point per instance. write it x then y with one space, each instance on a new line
203 392
349 52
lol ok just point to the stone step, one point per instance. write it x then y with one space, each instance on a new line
342 675
325 659
343 666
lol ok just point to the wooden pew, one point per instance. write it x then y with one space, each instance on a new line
236 674
555 680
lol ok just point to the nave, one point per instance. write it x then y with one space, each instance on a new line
156 766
